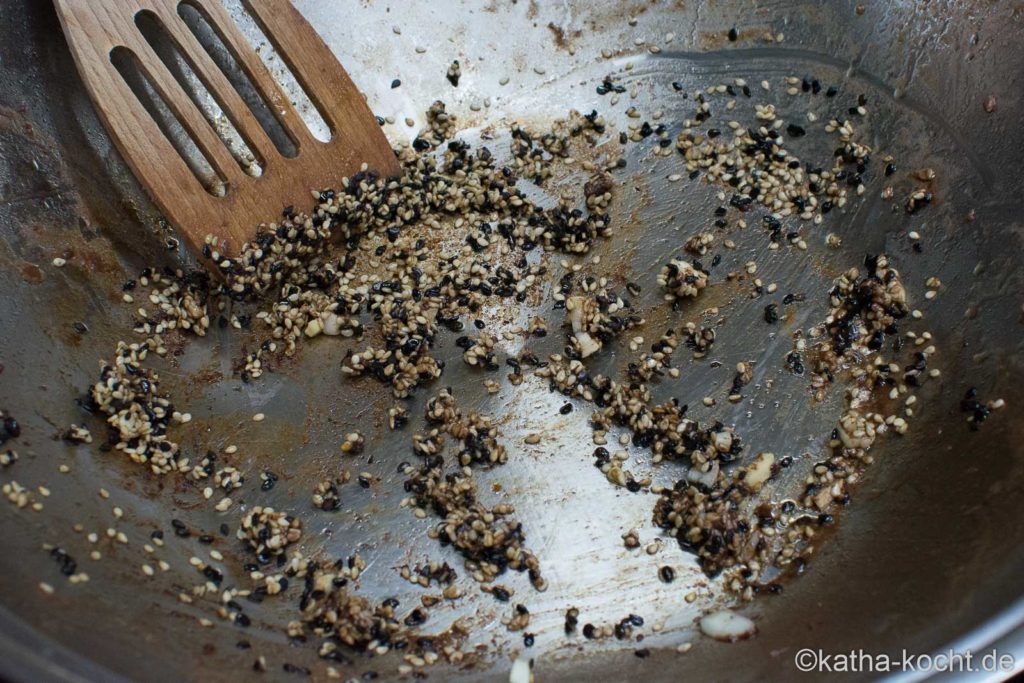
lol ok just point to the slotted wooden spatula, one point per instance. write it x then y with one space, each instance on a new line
95 28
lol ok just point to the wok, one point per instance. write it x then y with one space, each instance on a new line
929 554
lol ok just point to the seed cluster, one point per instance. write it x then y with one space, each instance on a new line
597 316
754 163
428 573
415 279
268 532
719 516
490 539
326 496
137 415
661 427
479 352
976 411
682 279
699 338
76 434
454 73
180 299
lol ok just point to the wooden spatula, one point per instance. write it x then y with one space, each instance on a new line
95 28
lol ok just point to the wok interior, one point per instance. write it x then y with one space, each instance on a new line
927 552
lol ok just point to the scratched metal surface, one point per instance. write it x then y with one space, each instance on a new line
930 548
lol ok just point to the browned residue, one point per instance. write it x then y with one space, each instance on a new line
563 38
30 273
100 260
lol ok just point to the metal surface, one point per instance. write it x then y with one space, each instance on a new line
929 552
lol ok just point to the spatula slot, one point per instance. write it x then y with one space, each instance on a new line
211 34
188 77
210 39
134 74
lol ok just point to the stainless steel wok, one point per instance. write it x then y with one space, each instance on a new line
928 556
